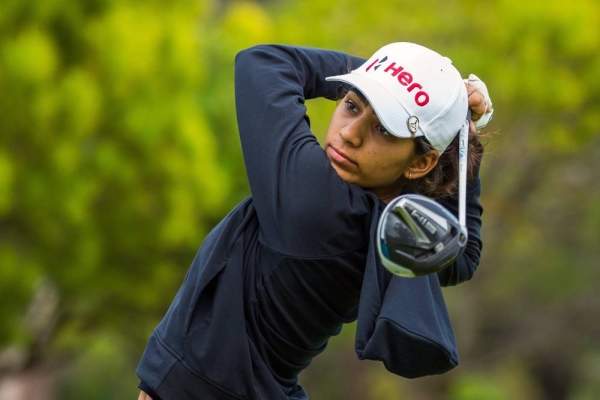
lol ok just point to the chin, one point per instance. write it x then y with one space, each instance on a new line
346 177
340 172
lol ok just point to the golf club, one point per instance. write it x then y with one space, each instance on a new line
418 236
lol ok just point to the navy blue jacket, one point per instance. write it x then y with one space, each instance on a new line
296 260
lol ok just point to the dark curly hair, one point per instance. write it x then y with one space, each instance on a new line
442 180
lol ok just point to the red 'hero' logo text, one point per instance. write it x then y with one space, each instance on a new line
405 79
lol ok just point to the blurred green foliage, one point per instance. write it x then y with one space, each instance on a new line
110 169
119 152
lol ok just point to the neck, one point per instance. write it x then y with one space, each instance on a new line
389 193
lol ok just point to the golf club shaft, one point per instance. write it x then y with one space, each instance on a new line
463 146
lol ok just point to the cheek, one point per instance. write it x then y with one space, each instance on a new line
391 158
391 170
390 163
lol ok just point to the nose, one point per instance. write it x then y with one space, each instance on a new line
352 133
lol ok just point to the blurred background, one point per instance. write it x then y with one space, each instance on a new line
119 152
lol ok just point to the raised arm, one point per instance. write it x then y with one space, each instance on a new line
295 190
464 268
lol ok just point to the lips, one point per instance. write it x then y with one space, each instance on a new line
339 157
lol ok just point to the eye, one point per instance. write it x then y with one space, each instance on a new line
351 106
382 129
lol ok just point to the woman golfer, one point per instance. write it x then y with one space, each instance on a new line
296 260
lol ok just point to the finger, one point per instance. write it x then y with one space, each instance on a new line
472 128
476 101
482 113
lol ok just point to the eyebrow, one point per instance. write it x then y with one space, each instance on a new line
364 101
361 96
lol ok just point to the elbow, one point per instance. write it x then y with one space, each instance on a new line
466 271
250 55
243 57
463 269
247 66
252 63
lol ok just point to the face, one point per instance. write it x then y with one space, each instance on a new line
361 150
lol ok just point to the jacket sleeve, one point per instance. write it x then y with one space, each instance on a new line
465 266
303 207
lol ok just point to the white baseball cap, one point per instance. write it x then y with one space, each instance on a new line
414 91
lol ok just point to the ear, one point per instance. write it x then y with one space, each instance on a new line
422 165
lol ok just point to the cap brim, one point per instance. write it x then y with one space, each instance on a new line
392 115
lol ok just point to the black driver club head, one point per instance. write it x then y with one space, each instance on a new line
417 236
